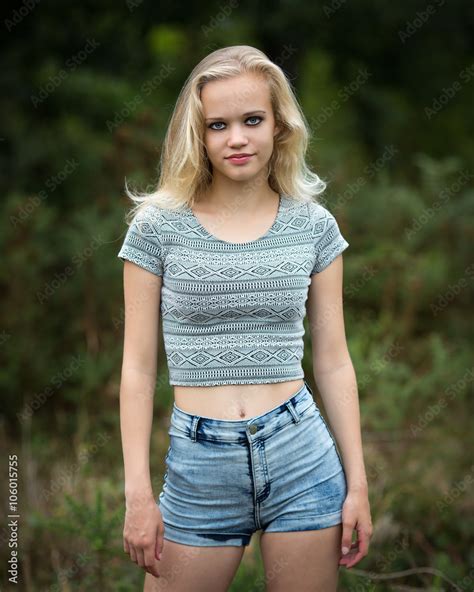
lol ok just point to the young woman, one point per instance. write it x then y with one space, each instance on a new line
231 251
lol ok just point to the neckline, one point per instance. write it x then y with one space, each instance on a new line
220 240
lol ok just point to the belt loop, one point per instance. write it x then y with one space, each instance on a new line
293 411
194 426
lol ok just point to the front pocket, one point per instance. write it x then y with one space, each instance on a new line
178 432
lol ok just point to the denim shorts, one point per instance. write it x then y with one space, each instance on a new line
276 472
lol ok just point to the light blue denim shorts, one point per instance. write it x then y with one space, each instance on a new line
276 472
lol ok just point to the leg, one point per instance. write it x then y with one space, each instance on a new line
306 560
184 568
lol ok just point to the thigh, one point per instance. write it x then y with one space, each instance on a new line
184 567
307 561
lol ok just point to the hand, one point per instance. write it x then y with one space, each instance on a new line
355 515
143 532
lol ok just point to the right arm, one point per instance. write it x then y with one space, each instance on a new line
142 296
143 529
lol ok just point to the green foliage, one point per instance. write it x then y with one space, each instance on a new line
76 125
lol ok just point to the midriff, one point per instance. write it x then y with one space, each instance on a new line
234 401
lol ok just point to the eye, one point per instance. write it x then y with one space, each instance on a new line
214 123
256 117
221 122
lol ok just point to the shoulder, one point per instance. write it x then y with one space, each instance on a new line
321 217
148 213
317 211
147 221
142 244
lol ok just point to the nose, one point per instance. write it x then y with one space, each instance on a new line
237 136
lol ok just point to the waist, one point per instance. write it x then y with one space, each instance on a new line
234 402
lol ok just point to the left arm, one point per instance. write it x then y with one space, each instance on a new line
333 371
335 378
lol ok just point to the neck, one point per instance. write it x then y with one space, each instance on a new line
249 195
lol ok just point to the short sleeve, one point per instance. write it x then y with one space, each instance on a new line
328 241
142 244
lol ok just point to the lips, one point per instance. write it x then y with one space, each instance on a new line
239 160
241 155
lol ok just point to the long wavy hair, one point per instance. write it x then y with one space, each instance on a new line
185 170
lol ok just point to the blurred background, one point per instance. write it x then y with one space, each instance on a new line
87 91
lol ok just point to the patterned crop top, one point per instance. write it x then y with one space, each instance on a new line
233 313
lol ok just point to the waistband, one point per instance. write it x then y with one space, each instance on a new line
197 426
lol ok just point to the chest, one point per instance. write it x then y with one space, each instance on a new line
201 283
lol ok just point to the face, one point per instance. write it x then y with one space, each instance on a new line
238 119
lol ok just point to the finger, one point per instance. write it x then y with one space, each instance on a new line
347 529
126 546
151 563
133 553
159 546
140 557
152 571
364 543
345 559
363 549
355 559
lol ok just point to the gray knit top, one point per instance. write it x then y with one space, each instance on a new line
233 313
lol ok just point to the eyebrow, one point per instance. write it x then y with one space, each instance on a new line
245 114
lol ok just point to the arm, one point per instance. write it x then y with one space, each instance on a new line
142 295
333 370
143 534
335 378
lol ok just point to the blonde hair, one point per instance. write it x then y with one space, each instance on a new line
185 169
